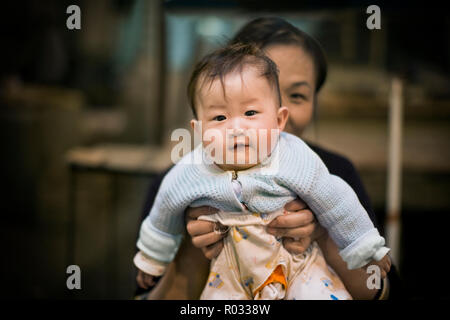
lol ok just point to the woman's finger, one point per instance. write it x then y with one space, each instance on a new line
296 246
293 220
295 233
295 205
194 213
213 250
199 227
207 239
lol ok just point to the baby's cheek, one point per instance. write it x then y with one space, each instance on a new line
216 148
212 136
266 143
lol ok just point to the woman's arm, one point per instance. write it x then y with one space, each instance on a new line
354 280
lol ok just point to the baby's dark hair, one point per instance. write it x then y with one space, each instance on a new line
226 60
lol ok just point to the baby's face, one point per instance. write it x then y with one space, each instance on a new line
242 121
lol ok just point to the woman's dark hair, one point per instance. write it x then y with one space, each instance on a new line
266 31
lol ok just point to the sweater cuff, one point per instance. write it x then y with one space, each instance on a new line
368 247
148 265
157 244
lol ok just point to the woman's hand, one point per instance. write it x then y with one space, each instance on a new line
384 264
202 232
297 226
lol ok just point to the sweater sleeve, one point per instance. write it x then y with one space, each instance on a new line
342 167
162 230
152 192
335 205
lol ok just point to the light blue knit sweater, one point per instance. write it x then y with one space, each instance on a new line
295 170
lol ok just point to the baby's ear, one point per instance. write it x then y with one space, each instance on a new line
282 117
194 124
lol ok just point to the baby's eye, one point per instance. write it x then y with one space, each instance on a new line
250 113
219 118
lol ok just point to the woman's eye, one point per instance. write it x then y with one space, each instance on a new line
297 96
219 118
250 113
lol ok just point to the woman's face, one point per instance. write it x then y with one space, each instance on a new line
297 84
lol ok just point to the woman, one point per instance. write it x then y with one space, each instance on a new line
303 71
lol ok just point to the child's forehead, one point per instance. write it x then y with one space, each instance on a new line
238 80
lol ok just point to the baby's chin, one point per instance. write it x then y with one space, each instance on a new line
236 167
242 158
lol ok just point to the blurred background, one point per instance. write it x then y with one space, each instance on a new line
86 117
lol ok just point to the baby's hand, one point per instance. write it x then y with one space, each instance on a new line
145 280
384 264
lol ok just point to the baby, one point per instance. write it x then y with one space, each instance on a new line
248 169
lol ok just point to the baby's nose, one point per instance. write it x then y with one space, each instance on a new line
237 124
236 132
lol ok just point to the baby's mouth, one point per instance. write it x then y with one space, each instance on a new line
239 146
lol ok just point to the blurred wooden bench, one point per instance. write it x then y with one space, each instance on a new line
187 275
113 160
